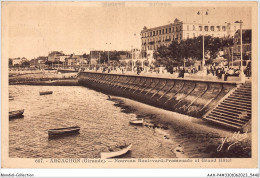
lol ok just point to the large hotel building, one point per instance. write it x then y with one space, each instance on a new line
153 38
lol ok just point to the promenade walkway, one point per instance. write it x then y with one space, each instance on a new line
197 76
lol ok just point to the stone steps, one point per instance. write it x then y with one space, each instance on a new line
235 111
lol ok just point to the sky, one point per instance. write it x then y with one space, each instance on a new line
34 29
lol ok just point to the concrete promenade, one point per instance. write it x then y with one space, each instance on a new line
189 76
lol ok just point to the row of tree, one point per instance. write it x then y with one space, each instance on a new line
191 50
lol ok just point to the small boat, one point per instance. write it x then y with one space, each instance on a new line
63 131
10 98
18 113
137 122
106 155
46 93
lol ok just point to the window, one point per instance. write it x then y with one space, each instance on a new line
173 29
206 28
188 27
156 32
223 28
177 37
153 33
180 37
193 27
150 33
218 28
162 31
170 30
200 27
166 30
212 28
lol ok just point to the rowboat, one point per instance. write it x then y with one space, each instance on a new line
106 155
11 98
18 113
63 131
46 93
137 122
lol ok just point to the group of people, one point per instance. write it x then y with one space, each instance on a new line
219 71
227 71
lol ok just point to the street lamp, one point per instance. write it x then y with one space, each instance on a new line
132 58
108 53
241 53
232 57
203 45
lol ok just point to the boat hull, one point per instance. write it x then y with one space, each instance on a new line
15 114
136 122
106 155
46 93
63 131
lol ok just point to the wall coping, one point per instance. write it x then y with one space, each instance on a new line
160 77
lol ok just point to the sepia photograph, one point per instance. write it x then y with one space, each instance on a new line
129 84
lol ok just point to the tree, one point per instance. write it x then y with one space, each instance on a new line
10 62
162 56
191 50
25 64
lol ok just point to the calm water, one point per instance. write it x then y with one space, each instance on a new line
103 125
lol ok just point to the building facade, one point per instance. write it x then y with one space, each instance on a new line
153 38
54 56
246 42
233 54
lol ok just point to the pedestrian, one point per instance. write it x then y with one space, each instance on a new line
225 76
171 69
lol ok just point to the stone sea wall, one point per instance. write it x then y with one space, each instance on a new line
189 97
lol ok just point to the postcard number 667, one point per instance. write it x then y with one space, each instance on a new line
38 160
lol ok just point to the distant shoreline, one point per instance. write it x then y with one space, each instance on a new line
44 78
49 82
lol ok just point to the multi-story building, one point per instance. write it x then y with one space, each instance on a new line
16 61
246 42
153 38
54 56
233 54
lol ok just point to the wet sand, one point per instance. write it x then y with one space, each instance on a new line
192 137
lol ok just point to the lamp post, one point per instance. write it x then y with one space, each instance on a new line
108 53
132 52
203 45
90 51
132 58
242 76
232 57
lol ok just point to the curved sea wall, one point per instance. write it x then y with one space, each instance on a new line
190 97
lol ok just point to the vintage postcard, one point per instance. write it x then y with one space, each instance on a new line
129 84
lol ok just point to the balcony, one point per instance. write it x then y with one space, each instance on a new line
151 42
